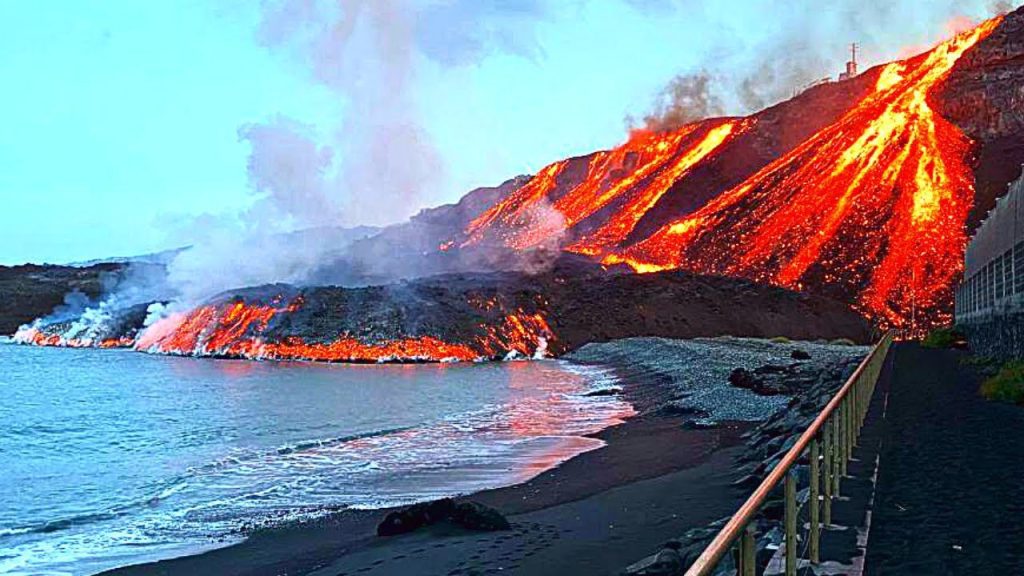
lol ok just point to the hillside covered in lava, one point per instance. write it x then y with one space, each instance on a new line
864 190
859 193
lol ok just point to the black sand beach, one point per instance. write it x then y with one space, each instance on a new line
595 514
659 475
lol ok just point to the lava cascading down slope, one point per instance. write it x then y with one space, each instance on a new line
874 205
239 329
871 209
625 182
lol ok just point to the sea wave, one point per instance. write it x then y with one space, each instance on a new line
528 418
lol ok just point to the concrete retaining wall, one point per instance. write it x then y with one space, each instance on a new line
1000 336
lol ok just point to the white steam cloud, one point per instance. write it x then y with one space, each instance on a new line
378 163
374 166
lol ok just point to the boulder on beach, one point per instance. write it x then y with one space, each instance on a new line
416 516
665 563
476 516
468 515
798 354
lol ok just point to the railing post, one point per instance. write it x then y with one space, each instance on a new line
854 410
815 532
865 399
829 440
791 549
851 430
827 465
845 425
838 450
745 566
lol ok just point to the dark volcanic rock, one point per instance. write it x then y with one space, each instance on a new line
415 517
743 378
476 516
468 515
984 97
768 380
799 355
30 291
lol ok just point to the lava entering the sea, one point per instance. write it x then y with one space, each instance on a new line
238 329
40 337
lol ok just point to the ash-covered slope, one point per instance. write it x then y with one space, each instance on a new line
478 316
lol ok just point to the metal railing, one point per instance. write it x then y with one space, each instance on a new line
830 440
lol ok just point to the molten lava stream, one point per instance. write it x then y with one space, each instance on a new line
37 337
633 177
642 198
875 203
509 212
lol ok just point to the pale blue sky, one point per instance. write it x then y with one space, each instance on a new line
121 117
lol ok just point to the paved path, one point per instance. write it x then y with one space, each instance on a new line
950 492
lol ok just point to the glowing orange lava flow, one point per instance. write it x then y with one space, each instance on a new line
38 337
642 198
240 330
629 180
874 203
518 210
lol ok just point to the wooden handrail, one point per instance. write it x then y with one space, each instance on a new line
723 541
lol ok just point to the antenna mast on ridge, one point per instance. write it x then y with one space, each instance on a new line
851 65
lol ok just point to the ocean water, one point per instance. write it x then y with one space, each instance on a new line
111 457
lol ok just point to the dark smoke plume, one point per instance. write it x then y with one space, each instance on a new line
739 74
686 99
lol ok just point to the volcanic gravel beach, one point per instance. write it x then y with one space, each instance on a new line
662 473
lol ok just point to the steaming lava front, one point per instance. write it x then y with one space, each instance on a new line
240 329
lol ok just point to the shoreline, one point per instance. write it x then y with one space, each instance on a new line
682 462
647 447
641 450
